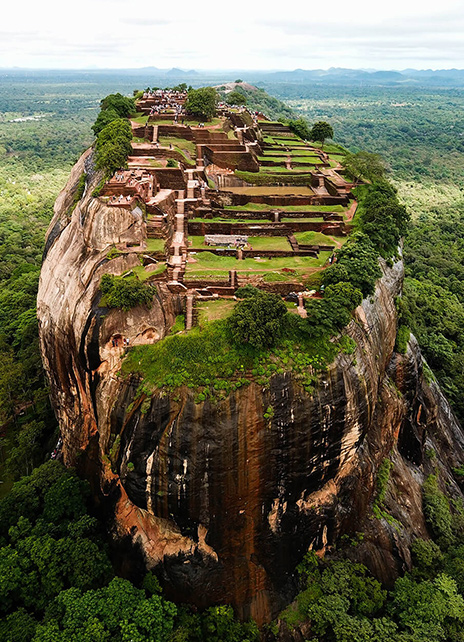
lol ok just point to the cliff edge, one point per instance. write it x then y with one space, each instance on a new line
223 499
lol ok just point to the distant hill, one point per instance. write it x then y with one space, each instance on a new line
341 76
181 72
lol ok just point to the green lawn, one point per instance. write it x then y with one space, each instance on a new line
196 241
181 143
257 242
288 190
155 163
155 245
214 310
137 139
140 118
208 265
313 238
273 159
339 209
283 170
328 148
141 272
269 243
250 206
286 208
239 219
306 151
287 219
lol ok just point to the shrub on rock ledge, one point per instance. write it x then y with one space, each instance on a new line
113 146
119 292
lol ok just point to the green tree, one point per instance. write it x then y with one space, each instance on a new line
300 128
219 625
113 146
364 165
117 612
320 131
202 102
236 98
104 118
429 609
27 451
357 263
258 320
122 105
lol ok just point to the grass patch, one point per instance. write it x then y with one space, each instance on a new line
287 208
318 219
274 277
218 219
142 274
140 118
138 139
313 238
269 243
208 265
254 207
257 243
179 325
214 310
155 245
279 171
185 146
263 190
208 361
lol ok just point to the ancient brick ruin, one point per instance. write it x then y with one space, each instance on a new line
239 187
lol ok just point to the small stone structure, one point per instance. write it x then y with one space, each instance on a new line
226 239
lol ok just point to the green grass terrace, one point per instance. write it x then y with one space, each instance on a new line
257 243
209 266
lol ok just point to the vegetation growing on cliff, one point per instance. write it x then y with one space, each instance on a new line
113 107
113 146
209 361
258 319
343 603
125 292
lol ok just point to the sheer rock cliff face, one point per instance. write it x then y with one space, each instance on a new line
222 501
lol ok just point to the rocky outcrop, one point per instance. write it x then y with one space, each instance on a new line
224 499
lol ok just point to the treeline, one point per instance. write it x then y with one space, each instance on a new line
35 159
433 302
416 130
57 583
380 223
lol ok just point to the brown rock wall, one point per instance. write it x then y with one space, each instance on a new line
220 496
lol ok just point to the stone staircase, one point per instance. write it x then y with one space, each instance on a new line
156 227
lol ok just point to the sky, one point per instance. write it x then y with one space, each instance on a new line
242 34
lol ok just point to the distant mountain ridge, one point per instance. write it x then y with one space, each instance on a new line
445 78
336 75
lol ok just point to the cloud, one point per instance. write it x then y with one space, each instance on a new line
147 22
359 33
